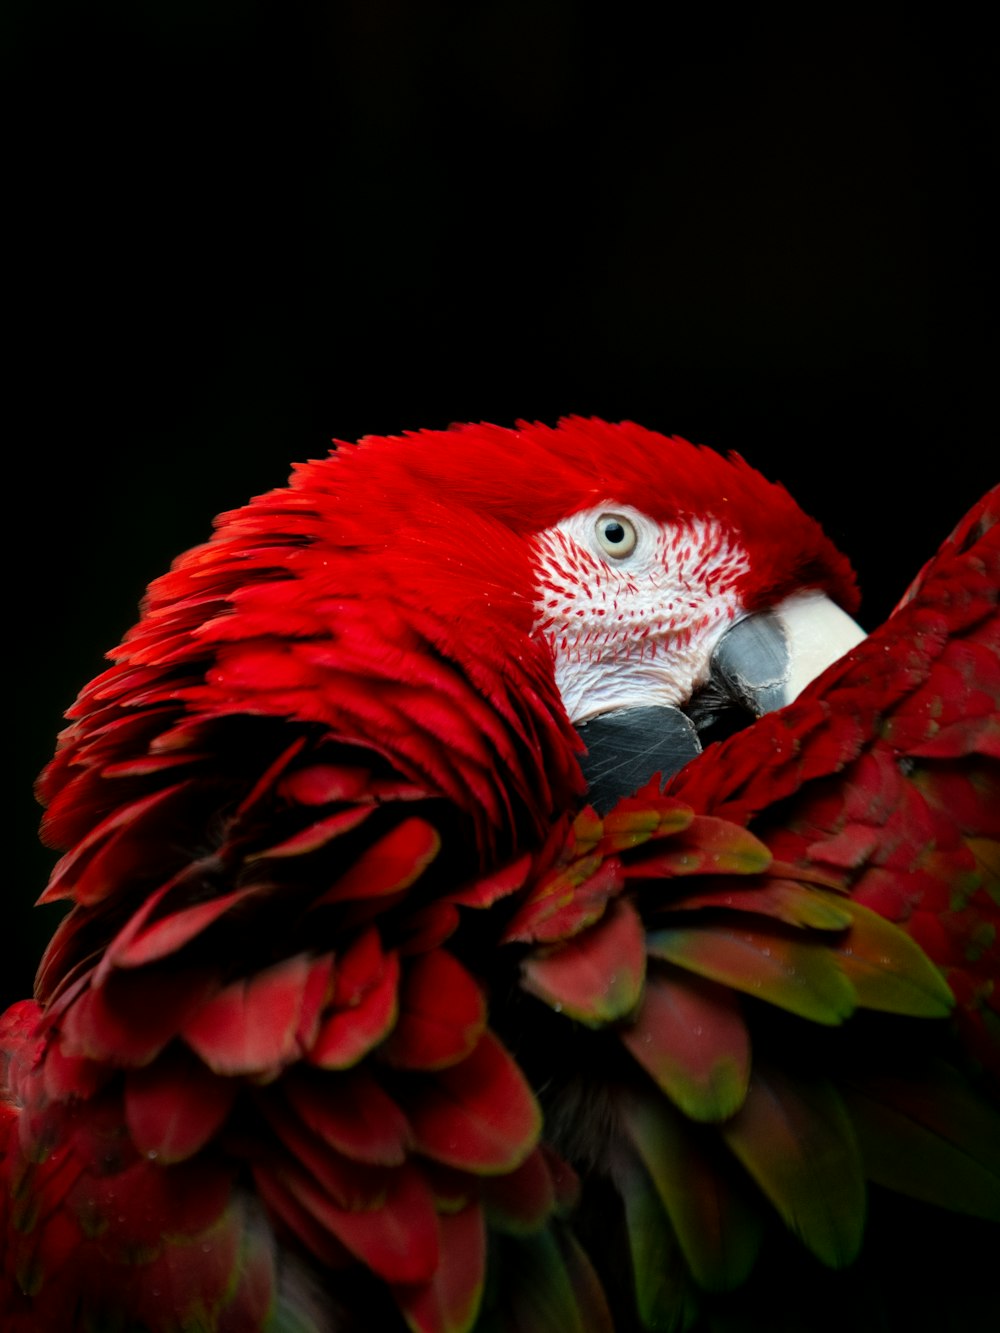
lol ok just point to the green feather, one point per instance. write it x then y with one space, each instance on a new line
795 1138
714 1225
797 974
543 1284
931 1137
664 1295
888 970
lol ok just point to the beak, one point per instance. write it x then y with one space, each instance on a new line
759 664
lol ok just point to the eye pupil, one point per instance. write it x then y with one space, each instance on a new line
616 535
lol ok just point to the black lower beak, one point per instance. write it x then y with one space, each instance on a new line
627 747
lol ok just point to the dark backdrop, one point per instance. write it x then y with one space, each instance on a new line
238 230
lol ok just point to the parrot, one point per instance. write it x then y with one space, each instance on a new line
507 890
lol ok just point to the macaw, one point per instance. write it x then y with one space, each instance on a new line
508 891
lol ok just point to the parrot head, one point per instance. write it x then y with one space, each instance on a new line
683 604
677 594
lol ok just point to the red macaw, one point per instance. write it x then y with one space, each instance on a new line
442 954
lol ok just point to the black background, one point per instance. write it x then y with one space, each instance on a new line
239 230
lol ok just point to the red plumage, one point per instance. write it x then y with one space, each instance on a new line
354 985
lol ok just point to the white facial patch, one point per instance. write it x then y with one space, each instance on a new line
638 629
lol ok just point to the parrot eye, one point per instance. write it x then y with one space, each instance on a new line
616 535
